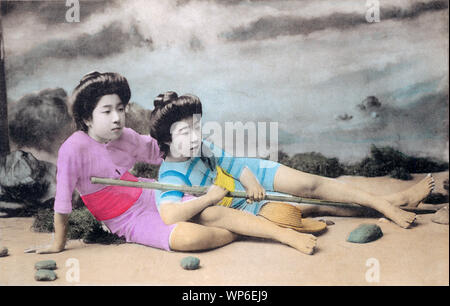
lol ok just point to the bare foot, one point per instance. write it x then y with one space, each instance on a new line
400 217
412 196
305 243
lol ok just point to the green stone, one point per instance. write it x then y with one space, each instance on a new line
45 275
365 233
190 263
45 264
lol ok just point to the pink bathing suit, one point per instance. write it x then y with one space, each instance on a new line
81 157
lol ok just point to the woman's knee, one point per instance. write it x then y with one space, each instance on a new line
210 214
188 236
296 182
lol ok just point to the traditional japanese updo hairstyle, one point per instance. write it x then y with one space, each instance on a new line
93 86
170 108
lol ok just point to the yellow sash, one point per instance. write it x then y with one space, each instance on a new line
226 181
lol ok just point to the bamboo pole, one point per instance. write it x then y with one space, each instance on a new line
199 190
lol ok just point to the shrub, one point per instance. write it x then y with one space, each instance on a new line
81 225
388 161
381 161
316 163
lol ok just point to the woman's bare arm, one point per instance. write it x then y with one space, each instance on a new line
176 212
61 226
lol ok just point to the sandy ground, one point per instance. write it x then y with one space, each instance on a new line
415 256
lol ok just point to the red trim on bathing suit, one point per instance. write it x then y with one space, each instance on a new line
112 201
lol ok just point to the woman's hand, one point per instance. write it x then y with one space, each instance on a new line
216 194
61 227
255 192
54 248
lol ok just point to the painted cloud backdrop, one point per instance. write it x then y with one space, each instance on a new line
334 82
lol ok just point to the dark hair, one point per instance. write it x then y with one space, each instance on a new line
93 86
170 108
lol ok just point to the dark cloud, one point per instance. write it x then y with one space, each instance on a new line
343 117
270 26
54 11
110 40
369 104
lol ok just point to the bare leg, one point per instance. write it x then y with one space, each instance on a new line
244 223
412 196
291 181
188 236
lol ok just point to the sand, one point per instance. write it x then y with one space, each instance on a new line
415 256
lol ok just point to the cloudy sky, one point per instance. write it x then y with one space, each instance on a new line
333 81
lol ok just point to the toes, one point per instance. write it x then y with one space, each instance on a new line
309 251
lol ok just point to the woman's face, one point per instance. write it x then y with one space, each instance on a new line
108 119
186 138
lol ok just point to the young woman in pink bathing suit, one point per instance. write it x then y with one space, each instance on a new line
104 147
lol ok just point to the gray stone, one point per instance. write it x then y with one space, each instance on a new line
327 222
45 275
46 265
190 263
3 251
365 233
441 216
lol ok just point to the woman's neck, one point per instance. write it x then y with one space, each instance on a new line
170 158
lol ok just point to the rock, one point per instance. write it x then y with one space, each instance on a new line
20 168
46 265
8 209
441 216
48 179
45 275
24 178
190 263
3 251
11 205
30 250
365 233
327 222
